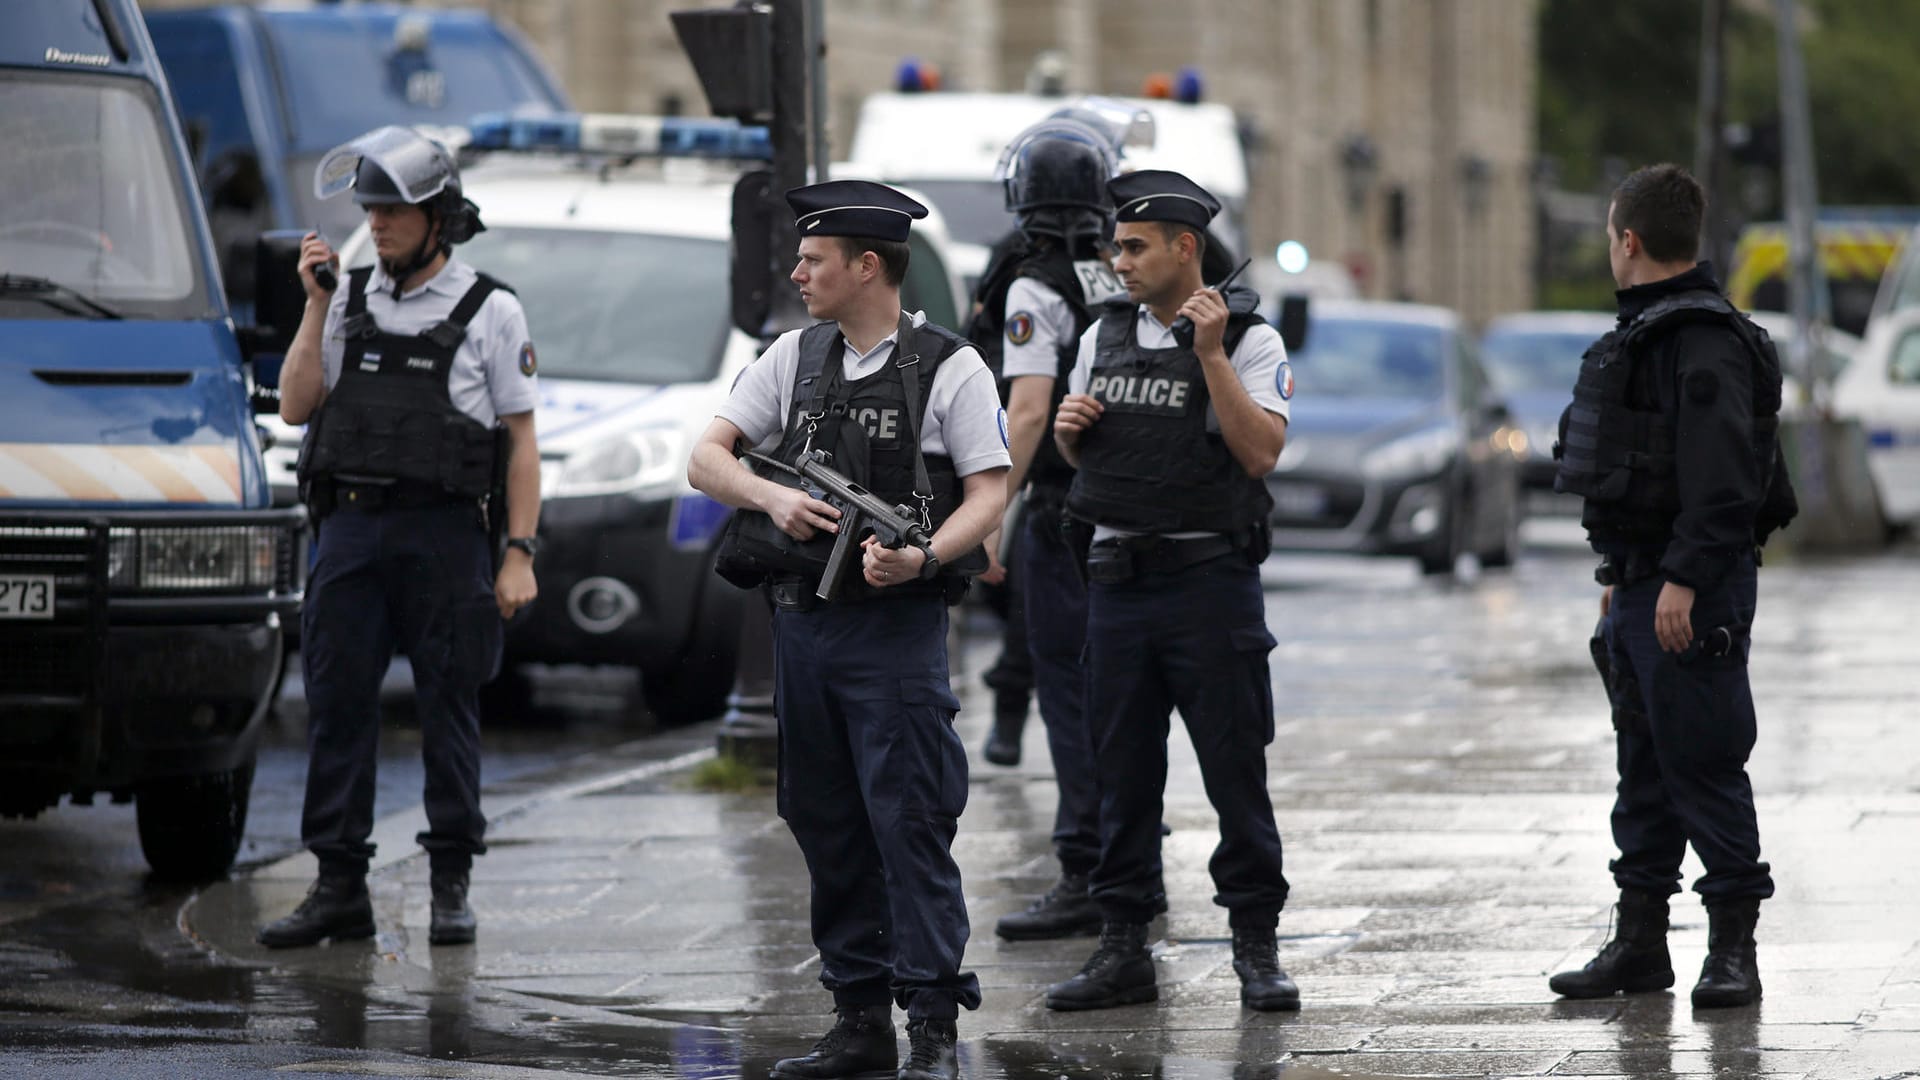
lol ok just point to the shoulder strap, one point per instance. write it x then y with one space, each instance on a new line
906 357
355 321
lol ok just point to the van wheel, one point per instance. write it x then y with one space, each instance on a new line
190 827
508 699
695 686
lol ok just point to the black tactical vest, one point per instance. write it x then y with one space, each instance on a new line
1151 464
866 428
1049 473
390 415
1616 453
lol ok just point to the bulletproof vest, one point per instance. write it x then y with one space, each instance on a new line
865 428
1153 463
390 415
1049 473
1617 453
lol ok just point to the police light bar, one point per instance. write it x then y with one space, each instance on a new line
620 136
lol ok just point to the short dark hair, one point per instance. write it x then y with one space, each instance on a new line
892 253
1663 205
1172 230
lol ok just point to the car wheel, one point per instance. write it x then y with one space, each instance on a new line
695 685
1444 549
508 699
190 827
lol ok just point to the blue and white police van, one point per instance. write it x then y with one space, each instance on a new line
614 231
143 576
264 90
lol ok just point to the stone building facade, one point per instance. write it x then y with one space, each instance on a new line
1395 136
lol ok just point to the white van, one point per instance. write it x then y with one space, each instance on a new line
622 266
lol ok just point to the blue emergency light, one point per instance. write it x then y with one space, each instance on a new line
620 136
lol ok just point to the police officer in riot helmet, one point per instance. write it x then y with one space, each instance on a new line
1176 411
1671 441
416 380
872 778
1037 300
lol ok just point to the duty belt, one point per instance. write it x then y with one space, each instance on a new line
1636 565
1121 559
369 496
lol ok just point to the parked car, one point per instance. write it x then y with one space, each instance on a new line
1399 443
143 577
622 267
1881 388
1533 359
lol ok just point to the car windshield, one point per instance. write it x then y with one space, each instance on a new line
1520 361
93 200
618 306
1354 358
975 210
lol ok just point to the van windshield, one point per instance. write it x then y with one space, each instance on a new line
617 306
93 201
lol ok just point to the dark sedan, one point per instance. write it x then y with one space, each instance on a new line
1398 445
1534 358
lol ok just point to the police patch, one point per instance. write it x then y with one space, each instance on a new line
528 362
1020 328
1283 381
1004 440
1702 386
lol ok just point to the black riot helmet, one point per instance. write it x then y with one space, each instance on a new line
1055 175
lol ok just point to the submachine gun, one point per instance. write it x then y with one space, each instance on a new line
861 512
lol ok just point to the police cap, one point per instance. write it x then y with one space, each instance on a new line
853 208
1161 195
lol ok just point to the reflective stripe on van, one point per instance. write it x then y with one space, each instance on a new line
202 475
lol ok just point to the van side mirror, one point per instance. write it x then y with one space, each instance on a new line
279 300
1293 322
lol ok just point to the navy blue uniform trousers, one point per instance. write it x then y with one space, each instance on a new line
419 578
1685 726
1056 614
1194 639
872 782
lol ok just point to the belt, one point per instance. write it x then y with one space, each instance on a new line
1119 559
372 496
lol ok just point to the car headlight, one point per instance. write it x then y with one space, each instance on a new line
1420 454
630 463
188 557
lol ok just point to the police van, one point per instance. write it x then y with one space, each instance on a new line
948 146
614 231
264 91
143 577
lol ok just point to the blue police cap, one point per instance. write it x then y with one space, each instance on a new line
1161 195
853 208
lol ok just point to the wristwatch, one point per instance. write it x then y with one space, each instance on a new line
528 544
930 568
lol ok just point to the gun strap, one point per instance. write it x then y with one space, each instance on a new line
907 359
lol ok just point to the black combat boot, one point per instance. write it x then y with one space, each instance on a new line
1731 975
930 1053
1066 911
1003 741
453 922
337 907
861 1043
1633 961
1264 984
1120 972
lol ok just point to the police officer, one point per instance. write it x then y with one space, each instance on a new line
1177 411
872 778
402 376
1041 291
1670 441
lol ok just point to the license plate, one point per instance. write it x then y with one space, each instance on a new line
26 596
1299 500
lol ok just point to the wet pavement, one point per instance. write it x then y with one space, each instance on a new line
1442 775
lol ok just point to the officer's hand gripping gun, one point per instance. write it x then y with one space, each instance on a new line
1182 328
861 512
